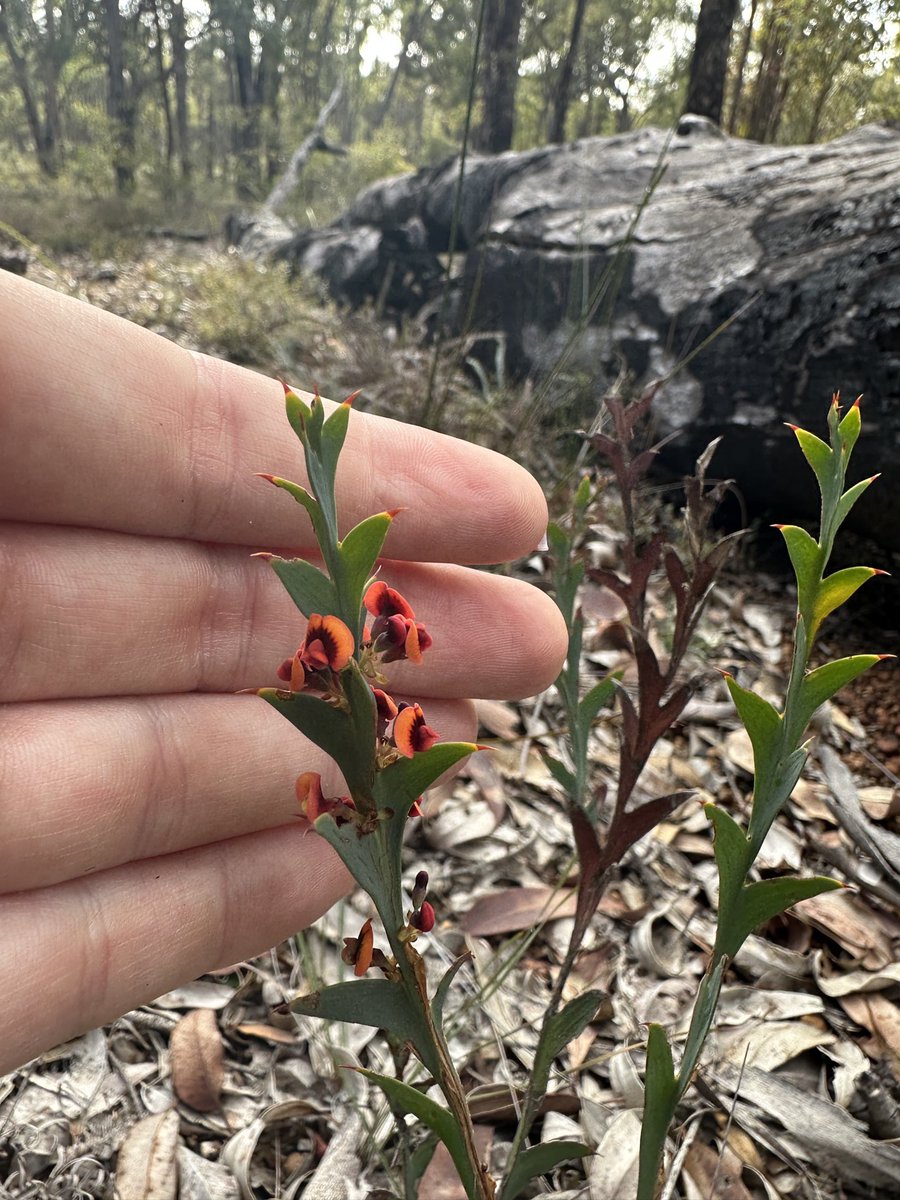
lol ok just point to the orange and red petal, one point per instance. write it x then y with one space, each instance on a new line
383 601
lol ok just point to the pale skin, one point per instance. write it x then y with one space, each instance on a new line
148 823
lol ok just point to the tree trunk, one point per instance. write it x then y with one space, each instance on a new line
409 33
178 36
557 131
118 106
768 93
741 67
45 157
499 75
709 62
163 79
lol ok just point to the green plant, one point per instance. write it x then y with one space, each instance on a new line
388 755
779 755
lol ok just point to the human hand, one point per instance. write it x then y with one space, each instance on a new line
148 816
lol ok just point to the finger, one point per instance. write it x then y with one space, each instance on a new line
86 613
107 425
79 954
90 784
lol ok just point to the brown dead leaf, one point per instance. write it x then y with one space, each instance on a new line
851 923
146 1166
880 803
493 1102
515 909
703 1166
881 1017
499 718
269 1033
441 1179
197 1060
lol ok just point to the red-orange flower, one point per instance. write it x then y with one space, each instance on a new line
411 733
386 710
328 644
313 804
359 952
383 601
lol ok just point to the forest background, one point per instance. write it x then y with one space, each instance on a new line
115 113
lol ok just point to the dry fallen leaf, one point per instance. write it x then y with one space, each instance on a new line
849 922
881 1017
705 1166
441 1180
515 909
614 1168
145 1169
197 1060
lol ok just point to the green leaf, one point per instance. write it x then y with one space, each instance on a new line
377 1002
417 1164
822 683
582 494
763 724
334 431
818 454
701 1020
298 414
302 496
538 1160
767 803
838 588
599 696
660 1098
403 782
806 560
349 738
850 497
438 1119
848 430
558 1031
759 902
732 851
358 552
558 542
309 588
440 995
560 773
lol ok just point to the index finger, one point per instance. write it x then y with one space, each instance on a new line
107 425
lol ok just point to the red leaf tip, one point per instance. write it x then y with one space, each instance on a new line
268 478
793 428
882 657
265 555
878 571
855 403
349 401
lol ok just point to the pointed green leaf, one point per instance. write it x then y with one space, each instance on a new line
761 901
302 496
438 1119
806 561
558 542
560 773
349 738
837 588
582 494
732 851
417 1164
558 1031
298 413
377 1002
763 724
660 1098
600 695
850 497
822 683
334 431
358 552
701 1020
538 1160
768 801
309 588
848 430
440 995
817 453
398 786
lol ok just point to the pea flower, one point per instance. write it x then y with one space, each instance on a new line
411 733
312 803
395 632
328 645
